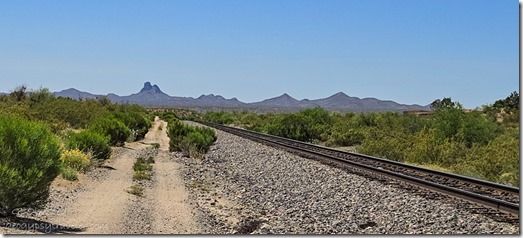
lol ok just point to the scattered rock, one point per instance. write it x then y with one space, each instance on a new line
292 195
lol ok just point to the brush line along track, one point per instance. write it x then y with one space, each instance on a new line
491 195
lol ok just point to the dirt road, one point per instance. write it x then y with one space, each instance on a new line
172 214
105 206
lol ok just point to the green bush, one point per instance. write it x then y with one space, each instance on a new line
142 166
209 137
197 140
91 142
498 161
293 126
169 116
471 127
69 173
135 118
218 117
185 146
309 125
76 160
344 134
176 131
114 128
391 145
29 161
187 138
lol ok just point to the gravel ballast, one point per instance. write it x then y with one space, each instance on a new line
245 187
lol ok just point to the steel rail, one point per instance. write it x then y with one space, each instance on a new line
494 203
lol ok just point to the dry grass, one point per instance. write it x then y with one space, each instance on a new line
136 190
143 169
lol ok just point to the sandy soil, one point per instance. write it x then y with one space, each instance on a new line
173 215
105 207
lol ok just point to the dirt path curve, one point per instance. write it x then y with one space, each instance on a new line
103 209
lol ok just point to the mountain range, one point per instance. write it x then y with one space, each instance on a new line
152 96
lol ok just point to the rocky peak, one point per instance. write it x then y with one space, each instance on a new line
340 95
285 95
147 87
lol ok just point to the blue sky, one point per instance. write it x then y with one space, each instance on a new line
409 51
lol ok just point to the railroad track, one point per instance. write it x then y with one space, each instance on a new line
498 198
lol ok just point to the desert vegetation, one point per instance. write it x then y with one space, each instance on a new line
74 161
143 171
482 143
43 136
192 141
143 168
29 162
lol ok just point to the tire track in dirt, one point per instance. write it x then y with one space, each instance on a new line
172 213
100 209
105 206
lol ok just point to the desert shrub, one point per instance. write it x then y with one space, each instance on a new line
251 121
114 128
209 137
142 175
90 142
169 116
391 145
477 129
136 190
309 125
291 126
498 161
75 159
142 165
143 168
65 135
135 118
195 153
185 146
176 131
197 140
150 160
187 138
345 134
426 149
218 117
471 128
29 161
69 173
64 111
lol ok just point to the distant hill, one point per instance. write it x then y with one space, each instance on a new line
75 94
343 101
283 101
152 96
215 101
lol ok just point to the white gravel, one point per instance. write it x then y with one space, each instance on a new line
246 187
